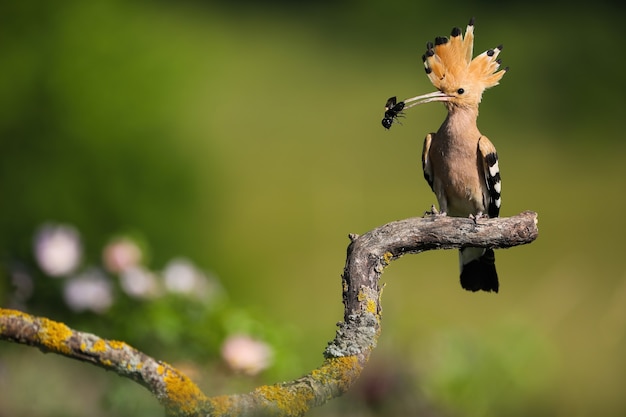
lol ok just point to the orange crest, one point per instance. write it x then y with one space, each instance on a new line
449 64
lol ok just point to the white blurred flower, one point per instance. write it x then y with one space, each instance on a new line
139 282
90 290
244 354
121 254
182 276
58 250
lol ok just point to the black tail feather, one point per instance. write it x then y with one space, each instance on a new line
480 274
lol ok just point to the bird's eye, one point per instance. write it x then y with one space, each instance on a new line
460 91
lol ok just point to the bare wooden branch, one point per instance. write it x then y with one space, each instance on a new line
344 357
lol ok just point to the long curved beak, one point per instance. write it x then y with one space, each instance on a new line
426 98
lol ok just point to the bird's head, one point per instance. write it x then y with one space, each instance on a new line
459 79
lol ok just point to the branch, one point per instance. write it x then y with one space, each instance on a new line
168 385
344 357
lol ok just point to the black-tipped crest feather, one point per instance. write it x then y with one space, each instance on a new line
449 62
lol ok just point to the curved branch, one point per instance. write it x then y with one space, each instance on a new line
345 356
172 388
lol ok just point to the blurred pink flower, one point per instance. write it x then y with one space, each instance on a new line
90 290
58 249
121 254
182 276
139 282
246 355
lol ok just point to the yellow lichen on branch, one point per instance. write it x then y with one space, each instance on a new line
181 393
54 335
370 300
341 371
387 257
99 346
291 401
6 312
116 344
42 332
221 405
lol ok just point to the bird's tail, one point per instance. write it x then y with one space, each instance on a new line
478 269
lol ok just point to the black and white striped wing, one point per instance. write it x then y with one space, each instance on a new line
492 197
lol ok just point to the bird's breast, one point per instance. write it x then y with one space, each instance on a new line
455 167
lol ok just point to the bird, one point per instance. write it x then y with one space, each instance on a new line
460 164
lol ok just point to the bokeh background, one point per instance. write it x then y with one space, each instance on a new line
242 141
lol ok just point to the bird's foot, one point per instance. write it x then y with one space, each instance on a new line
478 216
434 212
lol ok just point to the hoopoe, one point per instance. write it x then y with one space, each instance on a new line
459 163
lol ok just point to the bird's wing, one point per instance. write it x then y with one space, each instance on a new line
488 158
426 166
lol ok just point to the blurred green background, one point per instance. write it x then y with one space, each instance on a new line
246 137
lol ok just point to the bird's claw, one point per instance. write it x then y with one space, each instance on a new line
478 216
434 212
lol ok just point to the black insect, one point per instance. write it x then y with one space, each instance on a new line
392 110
